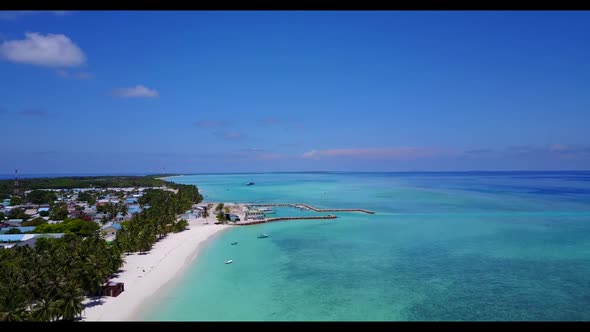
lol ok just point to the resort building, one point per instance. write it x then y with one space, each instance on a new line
254 214
232 217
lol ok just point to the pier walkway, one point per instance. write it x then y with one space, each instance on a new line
309 207
262 221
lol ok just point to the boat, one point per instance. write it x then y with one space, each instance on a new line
234 243
262 236
229 262
250 183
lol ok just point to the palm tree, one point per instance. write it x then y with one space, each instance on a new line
70 305
45 310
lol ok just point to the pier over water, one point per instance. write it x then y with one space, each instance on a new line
309 207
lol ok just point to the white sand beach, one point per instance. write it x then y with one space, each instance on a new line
144 275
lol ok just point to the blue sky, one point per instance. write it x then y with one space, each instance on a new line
87 92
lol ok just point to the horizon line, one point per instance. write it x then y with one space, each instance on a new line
23 175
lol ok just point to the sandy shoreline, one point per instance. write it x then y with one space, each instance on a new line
145 275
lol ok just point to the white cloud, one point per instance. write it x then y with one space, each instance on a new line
310 154
138 91
50 51
397 153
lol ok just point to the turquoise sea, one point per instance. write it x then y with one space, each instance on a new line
468 246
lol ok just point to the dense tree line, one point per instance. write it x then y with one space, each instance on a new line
87 197
7 186
41 197
48 283
77 226
151 224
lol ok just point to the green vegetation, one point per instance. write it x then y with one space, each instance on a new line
17 213
219 207
77 226
44 213
34 222
16 200
180 226
14 231
153 223
221 217
48 283
7 186
59 212
109 208
41 197
87 197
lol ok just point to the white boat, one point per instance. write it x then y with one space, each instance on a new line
229 262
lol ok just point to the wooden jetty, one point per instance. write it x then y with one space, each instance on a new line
301 205
262 221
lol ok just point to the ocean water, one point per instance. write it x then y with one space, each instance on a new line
441 247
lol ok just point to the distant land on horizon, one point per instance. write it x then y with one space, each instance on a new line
57 175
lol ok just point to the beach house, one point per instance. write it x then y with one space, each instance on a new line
110 231
113 289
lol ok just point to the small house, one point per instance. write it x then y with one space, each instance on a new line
131 200
102 202
43 209
90 212
133 209
75 213
113 289
14 222
110 230
232 217
12 237
23 229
